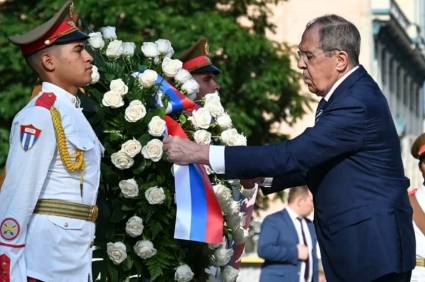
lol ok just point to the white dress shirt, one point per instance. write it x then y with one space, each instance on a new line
216 153
307 234
49 248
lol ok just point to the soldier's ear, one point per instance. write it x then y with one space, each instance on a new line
47 62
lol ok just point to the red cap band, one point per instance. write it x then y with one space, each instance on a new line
197 63
62 29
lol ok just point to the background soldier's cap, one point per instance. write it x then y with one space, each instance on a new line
196 59
60 29
418 147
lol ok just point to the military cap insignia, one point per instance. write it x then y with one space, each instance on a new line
9 229
29 136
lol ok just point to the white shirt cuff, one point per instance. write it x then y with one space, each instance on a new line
216 155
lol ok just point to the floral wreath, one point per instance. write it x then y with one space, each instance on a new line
126 84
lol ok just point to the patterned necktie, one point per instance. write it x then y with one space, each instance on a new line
319 110
307 261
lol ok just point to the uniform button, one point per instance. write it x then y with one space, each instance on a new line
47 42
4 264
65 225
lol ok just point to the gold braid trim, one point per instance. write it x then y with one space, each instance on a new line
72 166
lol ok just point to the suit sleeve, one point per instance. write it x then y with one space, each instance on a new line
269 246
28 162
339 131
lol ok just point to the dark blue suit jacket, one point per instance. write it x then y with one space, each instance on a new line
351 161
278 246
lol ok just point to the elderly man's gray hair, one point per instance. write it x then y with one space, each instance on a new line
336 33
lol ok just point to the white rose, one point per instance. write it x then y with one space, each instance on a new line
108 32
95 76
150 49
182 76
202 137
148 78
222 256
117 252
128 48
234 220
131 147
129 188
223 193
144 249
155 195
164 46
95 40
201 118
156 126
235 207
135 111
227 135
121 160
183 273
191 88
153 150
240 235
212 97
112 99
215 108
171 67
134 226
224 121
114 49
118 86
230 274
239 140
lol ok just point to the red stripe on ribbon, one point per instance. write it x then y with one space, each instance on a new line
215 217
197 63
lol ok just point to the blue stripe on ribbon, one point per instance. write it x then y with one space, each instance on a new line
167 89
27 141
199 206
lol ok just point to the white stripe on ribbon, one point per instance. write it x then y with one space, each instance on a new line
184 202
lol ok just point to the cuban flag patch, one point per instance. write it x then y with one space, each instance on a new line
29 135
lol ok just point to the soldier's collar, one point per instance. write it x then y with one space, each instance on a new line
61 94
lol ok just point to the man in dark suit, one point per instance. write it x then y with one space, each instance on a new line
288 241
350 160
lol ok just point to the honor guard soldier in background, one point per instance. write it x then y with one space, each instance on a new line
197 62
417 200
47 201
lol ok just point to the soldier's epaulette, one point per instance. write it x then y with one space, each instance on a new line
46 100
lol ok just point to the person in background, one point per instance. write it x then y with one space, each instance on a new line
196 60
288 241
417 200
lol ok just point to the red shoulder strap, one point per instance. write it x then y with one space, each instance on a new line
46 100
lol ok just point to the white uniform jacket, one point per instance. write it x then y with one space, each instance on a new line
45 247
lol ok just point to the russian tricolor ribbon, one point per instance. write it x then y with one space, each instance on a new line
199 217
178 101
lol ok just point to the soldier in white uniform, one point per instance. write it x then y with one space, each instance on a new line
417 199
47 201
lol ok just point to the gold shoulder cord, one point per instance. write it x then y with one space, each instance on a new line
72 166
